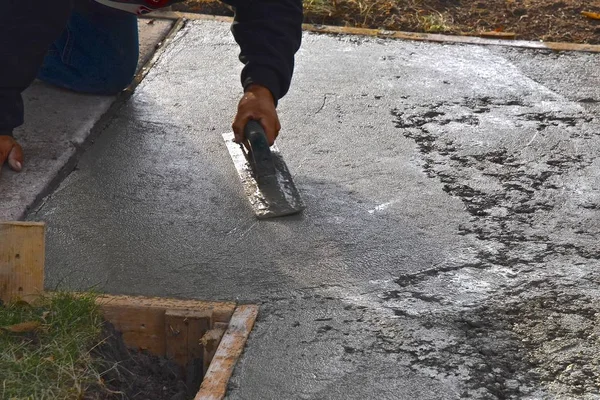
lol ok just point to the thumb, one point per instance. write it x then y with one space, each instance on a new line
15 158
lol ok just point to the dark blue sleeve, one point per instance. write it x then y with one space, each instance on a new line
269 33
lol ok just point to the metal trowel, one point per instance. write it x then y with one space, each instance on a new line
265 176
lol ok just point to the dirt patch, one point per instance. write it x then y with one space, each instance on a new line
547 20
133 374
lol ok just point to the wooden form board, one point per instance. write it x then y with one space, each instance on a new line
22 256
206 338
143 320
214 385
183 332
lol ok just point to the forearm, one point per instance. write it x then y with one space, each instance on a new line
269 33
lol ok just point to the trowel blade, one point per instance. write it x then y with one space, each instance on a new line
270 196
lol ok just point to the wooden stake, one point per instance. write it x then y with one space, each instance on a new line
183 331
22 256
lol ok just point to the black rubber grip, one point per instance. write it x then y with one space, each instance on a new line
260 153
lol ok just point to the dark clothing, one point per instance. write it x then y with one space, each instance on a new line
269 33
93 49
96 53
27 28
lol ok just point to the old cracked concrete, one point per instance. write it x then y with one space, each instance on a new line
450 245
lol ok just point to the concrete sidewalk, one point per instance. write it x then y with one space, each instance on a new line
57 123
449 249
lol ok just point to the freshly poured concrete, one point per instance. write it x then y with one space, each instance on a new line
56 123
449 247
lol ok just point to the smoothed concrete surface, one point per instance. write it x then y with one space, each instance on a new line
449 247
57 122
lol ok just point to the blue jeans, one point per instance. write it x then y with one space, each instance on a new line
75 44
96 53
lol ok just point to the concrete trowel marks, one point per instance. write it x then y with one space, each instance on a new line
431 255
525 297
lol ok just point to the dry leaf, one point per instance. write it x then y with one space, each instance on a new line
45 315
591 15
23 327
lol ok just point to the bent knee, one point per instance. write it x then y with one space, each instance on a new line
93 79
117 81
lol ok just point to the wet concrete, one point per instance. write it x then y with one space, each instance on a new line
449 247
57 123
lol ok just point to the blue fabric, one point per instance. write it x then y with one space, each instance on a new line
96 53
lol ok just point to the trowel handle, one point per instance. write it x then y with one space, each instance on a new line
256 136
259 146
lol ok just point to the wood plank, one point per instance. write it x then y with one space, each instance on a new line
221 311
22 256
201 323
430 37
499 35
214 385
183 331
143 328
176 335
142 322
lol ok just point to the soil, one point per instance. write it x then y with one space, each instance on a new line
135 375
545 20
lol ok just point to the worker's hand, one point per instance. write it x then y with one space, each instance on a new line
257 104
11 152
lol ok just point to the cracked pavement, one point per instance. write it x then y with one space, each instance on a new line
449 249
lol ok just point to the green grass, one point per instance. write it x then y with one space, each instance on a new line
435 23
53 361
